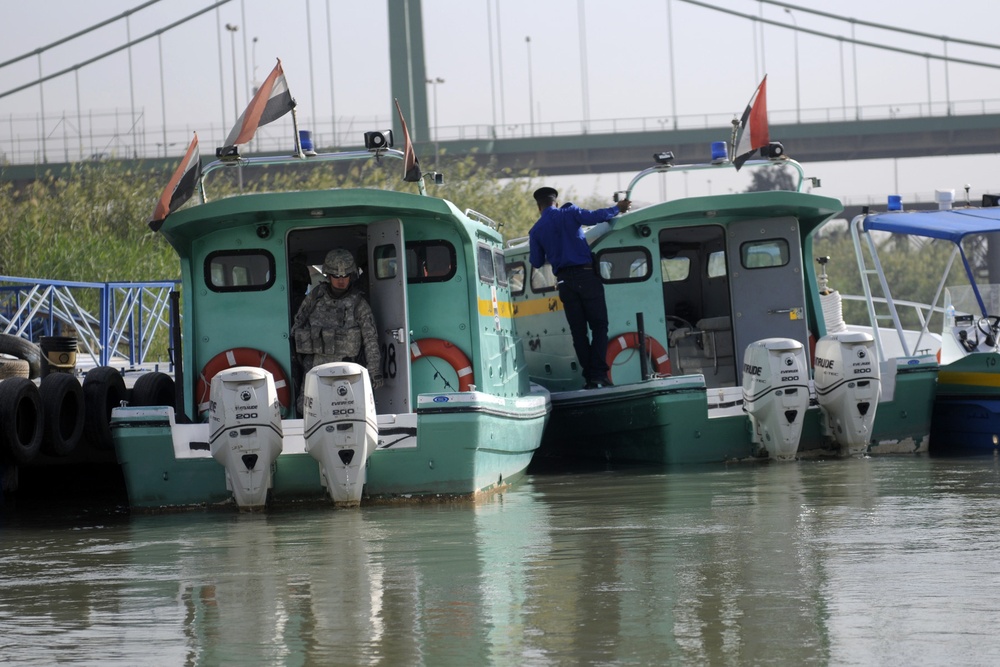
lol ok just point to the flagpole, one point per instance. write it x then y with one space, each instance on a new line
295 129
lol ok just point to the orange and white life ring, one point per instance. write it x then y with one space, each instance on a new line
241 356
435 347
621 342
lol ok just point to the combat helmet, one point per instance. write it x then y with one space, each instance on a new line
340 263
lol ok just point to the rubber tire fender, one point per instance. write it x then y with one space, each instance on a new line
23 349
63 407
154 388
14 368
20 420
103 390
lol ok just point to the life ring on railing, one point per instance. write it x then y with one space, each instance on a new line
241 356
435 347
621 342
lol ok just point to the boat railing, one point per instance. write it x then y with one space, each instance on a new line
115 323
913 341
664 164
239 162
472 214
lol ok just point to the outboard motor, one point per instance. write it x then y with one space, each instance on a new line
776 394
245 431
848 387
340 427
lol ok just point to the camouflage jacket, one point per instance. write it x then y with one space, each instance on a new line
328 328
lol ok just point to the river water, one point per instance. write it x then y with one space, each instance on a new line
887 561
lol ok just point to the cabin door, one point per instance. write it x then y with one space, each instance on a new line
387 285
767 287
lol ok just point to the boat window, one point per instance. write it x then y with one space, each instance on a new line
429 261
501 267
385 261
717 264
624 265
487 271
761 254
515 274
543 280
675 269
239 270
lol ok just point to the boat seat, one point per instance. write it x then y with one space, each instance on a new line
707 348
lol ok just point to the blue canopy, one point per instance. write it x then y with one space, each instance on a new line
952 224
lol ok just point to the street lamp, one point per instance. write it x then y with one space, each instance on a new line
531 88
798 108
434 95
434 92
232 34
253 56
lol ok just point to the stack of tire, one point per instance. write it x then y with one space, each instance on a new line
54 414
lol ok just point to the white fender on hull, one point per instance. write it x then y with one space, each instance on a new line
340 427
245 431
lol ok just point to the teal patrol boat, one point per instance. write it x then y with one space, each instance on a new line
455 417
718 347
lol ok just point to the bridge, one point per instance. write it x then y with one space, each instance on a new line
565 147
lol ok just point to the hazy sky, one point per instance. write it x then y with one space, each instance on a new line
628 68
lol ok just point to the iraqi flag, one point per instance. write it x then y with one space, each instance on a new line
752 133
272 101
411 167
180 188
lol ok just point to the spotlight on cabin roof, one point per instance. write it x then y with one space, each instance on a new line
665 157
772 150
378 140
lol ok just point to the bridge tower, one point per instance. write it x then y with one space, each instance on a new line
407 68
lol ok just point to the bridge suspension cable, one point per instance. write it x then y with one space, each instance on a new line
84 63
850 40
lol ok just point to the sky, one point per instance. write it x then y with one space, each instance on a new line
589 59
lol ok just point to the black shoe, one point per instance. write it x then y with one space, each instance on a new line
606 382
591 385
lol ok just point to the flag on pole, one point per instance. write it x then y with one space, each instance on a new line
411 167
752 132
180 188
271 101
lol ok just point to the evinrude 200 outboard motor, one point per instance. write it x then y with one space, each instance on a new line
340 427
245 431
848 387
776 394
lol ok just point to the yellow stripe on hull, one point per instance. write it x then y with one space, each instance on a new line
505 308
991 379
538 307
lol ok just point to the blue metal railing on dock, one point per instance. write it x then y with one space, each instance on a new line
132 324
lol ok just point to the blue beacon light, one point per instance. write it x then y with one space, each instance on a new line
719 152
895 203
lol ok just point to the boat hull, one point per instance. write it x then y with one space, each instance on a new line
903 422
470 444
662 421
967 410
677 420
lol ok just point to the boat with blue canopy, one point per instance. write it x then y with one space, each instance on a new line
960 324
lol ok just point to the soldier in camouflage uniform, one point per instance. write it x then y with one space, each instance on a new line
335 323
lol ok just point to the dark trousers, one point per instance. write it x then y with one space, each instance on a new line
582 296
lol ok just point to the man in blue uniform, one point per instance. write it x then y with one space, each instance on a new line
557 238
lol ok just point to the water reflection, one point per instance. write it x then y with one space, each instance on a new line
865 561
